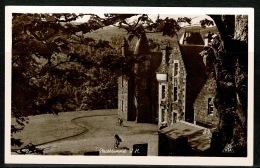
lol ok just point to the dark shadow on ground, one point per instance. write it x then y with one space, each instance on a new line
123 147
65 153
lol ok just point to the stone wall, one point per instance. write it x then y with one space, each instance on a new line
145 87
143 101
179 105
201 105
168 67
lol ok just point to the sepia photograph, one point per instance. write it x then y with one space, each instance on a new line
95 82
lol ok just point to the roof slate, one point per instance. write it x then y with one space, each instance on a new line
193 61
193 38
154 59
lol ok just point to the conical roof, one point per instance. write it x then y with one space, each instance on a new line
142 47
125 43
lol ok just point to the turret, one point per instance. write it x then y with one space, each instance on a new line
125 47
141 49
142 46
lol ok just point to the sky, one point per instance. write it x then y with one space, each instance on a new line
195 18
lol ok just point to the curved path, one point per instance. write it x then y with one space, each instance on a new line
73 121
78 134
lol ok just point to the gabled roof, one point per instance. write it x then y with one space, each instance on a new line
193 61
142 47
196 74
125 43
191 38
154 59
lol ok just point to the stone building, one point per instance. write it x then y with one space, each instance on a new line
172 85
188 88
137 92
205 114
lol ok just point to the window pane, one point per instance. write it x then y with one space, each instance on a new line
175 82
163 91
174 117
210 106
175 93
175 69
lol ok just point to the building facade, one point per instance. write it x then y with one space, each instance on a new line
137 93
170 86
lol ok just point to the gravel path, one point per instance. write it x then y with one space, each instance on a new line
98 135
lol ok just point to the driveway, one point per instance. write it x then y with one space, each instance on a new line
97 130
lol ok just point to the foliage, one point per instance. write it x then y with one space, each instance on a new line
144 24
205 22
229 59
31 148
56 67
51 62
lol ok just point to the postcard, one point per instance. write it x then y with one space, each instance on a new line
129 85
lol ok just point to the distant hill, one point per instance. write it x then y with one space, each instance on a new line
202 30
115 35
107 32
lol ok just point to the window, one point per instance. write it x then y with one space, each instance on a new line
175 97
174 117
210 106
175 79
122 106
176 66
163 91
175 89
163 115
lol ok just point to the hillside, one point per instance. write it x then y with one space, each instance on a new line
107 32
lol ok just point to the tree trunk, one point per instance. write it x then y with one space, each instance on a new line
230 52
241 79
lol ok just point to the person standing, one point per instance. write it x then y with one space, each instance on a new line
117 141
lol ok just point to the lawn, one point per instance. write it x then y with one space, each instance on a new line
92 130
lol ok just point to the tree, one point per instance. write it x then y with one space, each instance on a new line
229 56
51 62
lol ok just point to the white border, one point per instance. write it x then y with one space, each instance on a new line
150 160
